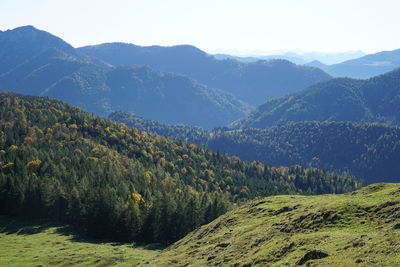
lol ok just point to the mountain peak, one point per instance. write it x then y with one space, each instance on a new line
25 28
19 44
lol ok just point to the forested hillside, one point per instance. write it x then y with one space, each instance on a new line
368 151
196 135
116 182
37 63
343 99
253 82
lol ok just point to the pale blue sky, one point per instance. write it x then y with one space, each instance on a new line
247 27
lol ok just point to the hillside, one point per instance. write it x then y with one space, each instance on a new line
37 63
252 82
373 100
356 229
367 151
196 135
364 67
114 182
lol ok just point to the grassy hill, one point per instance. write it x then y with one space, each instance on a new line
356 229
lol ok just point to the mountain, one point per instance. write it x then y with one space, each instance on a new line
21 44
37 63
303 58
289 57
252 82
329 58
357 229
317 64
171 98
342 99
367 151
366 66
118 183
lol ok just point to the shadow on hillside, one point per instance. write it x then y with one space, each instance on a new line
76 237
11 225
14 225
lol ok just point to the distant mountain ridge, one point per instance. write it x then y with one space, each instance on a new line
37 63
252 82
297 58
363 67
341 99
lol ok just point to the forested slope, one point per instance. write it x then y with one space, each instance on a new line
115 182
369 151
373 100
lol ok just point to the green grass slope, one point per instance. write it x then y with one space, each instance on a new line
26 243
360 228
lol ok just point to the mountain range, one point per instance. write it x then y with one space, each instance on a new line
35 62
252 82
300 58
363 67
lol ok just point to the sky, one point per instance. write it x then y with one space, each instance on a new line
246 27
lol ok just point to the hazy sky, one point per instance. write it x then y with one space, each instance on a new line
247 26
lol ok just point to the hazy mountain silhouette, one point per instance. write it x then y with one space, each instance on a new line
364 67
252 82
37 63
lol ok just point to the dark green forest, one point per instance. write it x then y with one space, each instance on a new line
114 182
369 151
